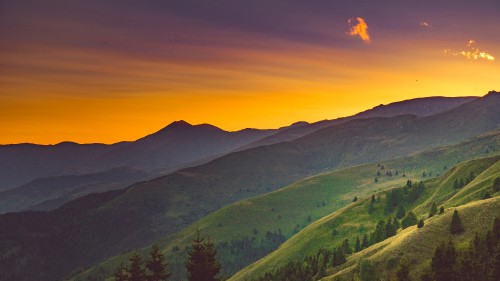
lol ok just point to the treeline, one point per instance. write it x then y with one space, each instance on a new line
312 267
457 184
237 254
480 261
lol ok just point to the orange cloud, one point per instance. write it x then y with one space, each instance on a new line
359 29
471 53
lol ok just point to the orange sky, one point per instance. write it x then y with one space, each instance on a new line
56 90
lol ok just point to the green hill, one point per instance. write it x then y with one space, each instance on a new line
290 209
354 220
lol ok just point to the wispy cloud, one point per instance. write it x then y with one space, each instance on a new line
471 52
425 24
358 27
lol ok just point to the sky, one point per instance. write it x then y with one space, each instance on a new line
108 71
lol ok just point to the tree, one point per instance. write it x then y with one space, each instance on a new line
379 234
121 273
496 184
409 220
456 226
365 243
389 228
375 180
157 266
355 199
346 248
401 212
420 223
443 262
433 210
136 271
202 264
455 184
441 210
357 246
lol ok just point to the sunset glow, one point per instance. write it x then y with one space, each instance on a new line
101 72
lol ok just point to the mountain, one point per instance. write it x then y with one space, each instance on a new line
415 244
419 107
149 210
174 146
52 192
243 239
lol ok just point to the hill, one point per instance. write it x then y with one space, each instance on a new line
354 221
419 107
241 240
51 192
153 209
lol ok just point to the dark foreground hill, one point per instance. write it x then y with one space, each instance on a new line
104 225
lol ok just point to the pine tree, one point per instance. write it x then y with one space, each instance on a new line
401 212
409 220
420 223
121 273
365 243
433 210
136 271
357 246
389 228
379 234
441 210
496 184
346 248
202 264
156 265
456 226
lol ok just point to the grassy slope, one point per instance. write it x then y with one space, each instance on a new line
354 220
297 201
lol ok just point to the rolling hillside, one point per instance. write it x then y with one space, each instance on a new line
292 208
354 220
52 192
153 209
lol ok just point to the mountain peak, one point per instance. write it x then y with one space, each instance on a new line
179 124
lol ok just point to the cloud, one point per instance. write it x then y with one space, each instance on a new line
358 27
425 24
471 52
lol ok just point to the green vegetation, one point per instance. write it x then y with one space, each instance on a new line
295 203
352 221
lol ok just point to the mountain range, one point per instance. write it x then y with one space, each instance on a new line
230 168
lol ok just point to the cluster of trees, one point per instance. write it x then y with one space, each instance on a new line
459 184
236 254
480 261
311 268
201 264
382 231
156 268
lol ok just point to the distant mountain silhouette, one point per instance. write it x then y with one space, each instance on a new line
418 107
100 225
168 149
